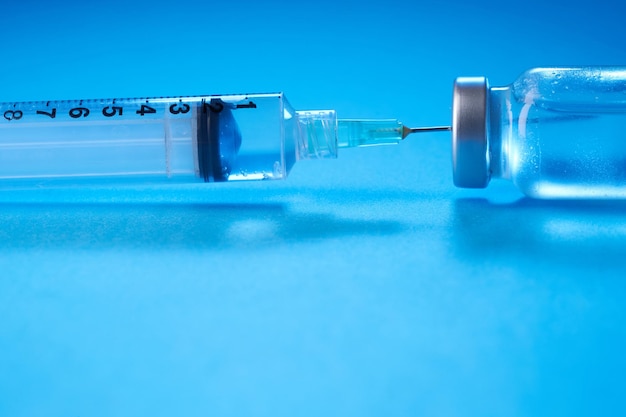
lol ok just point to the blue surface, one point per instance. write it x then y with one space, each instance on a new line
363 286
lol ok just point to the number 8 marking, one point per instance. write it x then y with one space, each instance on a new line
13 114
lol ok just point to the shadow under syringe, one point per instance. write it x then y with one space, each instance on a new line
579 233
198 226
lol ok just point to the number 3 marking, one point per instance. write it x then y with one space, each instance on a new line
179 108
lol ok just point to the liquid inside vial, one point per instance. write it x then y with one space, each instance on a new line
565 134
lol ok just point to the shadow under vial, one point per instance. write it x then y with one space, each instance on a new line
590 233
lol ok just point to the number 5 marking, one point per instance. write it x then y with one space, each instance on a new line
113 111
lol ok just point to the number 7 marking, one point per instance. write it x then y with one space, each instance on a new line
51 114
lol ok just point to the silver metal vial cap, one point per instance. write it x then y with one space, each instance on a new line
470 144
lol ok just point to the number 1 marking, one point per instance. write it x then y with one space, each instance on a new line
250 105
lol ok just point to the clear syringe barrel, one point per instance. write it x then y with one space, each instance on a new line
181 139
187 138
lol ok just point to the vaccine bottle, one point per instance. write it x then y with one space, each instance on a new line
554 132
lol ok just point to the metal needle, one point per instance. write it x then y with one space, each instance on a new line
406 131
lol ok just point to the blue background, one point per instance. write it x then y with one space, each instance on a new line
366 285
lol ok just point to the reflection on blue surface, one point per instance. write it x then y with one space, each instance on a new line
171 226
578 233
188 308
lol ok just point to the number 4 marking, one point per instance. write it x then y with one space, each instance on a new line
146 110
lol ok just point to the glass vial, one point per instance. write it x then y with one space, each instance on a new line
554 132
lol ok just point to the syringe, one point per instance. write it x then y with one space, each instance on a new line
204 138
555 132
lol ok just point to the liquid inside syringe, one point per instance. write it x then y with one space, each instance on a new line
205 138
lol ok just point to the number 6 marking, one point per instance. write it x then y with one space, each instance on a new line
77 112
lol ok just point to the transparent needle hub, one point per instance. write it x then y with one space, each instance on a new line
204 138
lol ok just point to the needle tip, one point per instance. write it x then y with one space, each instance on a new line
406 131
